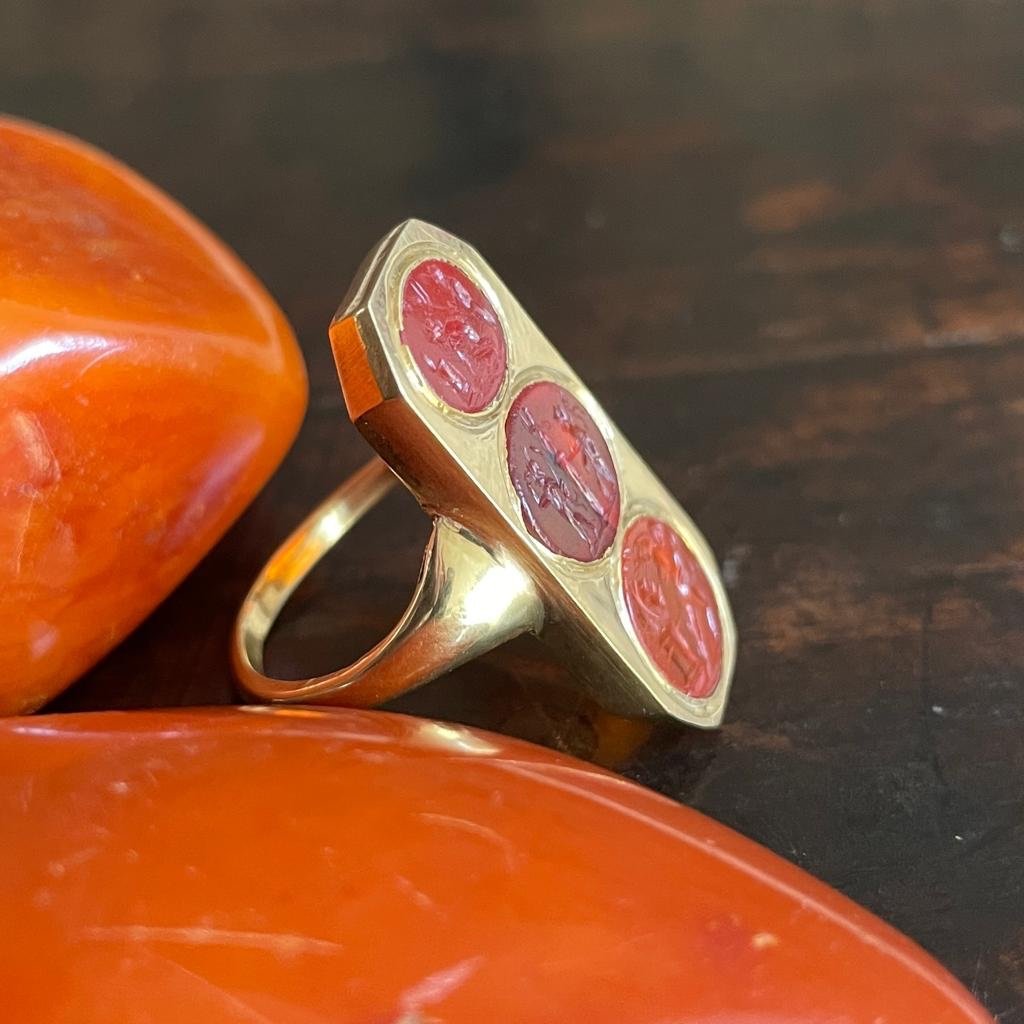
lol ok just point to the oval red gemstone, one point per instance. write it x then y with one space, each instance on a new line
454 335
672 606
562 471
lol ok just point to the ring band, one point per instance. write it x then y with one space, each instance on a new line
545 519
440 629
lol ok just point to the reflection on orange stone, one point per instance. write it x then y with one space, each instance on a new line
351 866
148 388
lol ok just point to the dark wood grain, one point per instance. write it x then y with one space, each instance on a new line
783 242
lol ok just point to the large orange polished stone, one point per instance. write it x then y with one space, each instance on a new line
148 387
294 866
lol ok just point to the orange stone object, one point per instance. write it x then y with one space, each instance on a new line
364 868
149 386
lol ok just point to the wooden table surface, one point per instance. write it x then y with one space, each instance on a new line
783 243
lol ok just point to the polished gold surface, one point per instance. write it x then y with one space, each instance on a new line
484 578
467 601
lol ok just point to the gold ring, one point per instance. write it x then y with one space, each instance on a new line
545 520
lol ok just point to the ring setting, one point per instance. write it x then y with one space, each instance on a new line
545 518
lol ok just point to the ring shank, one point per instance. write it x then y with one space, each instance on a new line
469 599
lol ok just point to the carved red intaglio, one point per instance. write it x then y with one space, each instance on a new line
672 606
562 471
454 335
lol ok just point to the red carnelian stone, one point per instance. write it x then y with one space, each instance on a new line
454 335
672 606
562 471
148 387
229 867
